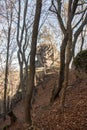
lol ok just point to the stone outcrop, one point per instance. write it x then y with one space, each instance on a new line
80 61
80 65
47 55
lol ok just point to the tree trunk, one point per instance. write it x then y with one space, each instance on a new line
65 83
12 116
68 59
6 74
67 31
64 86
82 42
32 64
20 43
57 89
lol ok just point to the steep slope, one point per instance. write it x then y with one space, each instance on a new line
47 117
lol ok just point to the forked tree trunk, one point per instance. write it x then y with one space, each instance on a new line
6 73
20 42
66 72
32 63
64 68
66 45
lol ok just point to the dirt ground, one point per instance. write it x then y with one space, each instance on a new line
47 117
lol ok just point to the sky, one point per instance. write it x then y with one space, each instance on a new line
51 22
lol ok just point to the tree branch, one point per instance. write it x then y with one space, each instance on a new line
77 33
81 11
58 13
74 7
81 27
79 21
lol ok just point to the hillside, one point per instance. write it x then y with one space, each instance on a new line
47 117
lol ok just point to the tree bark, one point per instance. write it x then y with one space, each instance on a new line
21 45
7 69
32 63
66 74
12 116
67 43
56 92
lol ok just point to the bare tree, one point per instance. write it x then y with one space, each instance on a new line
9 17
69 41
32 62
20 38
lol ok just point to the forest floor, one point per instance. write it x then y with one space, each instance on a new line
46 117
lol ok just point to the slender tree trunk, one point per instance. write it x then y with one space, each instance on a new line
64 68
66 74
82 36
56 92
62 64
67 60
21 72
32 63
82 41
21 50
6 75
64 86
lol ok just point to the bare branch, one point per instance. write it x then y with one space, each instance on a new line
74 7
80 12
69 12
77 33
79 21
18 24
81 27
24 18
58 13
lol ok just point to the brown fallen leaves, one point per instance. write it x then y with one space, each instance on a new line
46 117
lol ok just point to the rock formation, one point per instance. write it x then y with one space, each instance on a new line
47 55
